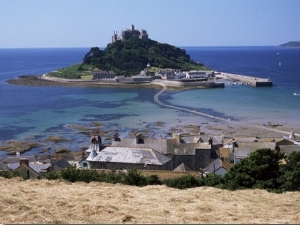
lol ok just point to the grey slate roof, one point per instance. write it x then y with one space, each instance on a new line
216 165
182 168
38 166
288 149
130 155
244 149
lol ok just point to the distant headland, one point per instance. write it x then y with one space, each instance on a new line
295 44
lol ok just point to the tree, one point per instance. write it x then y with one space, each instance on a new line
290 179
261 169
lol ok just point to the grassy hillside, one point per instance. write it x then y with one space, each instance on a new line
44 201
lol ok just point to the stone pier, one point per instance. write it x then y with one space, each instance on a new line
254 81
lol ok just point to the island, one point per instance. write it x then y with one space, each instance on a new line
132 58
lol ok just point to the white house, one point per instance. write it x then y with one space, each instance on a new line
196 74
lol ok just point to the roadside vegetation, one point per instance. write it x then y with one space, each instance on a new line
263 169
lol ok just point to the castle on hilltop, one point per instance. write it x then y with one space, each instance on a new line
130 33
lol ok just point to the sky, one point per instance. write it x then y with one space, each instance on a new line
90 23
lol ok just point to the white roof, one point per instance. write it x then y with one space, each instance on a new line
130 155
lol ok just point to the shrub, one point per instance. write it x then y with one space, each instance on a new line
187 181
133 177
9 174
153 180
51 175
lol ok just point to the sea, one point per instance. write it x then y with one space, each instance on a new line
32 113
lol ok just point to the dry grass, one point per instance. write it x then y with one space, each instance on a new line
43 201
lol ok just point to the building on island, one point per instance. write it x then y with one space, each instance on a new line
194 74
130 33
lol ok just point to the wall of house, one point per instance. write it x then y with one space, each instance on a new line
221 171
118 166
202 158
189 160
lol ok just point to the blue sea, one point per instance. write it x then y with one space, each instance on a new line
33 113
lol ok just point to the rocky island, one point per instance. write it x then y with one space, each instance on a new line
132 58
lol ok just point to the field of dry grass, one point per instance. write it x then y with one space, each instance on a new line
44 201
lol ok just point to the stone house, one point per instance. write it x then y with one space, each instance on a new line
218 167
238 148
162 154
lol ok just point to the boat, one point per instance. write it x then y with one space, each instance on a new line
295 93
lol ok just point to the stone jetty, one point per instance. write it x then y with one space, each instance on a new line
254 81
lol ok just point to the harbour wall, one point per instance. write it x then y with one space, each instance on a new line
254 81
188 83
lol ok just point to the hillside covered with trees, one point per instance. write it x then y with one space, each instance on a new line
129 57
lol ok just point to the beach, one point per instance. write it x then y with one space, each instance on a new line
34 109
210 123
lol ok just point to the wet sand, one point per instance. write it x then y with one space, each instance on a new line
210 124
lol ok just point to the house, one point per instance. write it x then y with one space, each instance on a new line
218 167
3 167
165 154
288 149
124 157
238 148
60 164
182 168
27 172
194 74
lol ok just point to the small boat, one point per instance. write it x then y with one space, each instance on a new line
295 93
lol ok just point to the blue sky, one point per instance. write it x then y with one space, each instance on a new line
88 23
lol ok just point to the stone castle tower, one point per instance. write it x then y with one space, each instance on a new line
130 33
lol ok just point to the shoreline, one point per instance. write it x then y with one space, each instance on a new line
44 80
210 124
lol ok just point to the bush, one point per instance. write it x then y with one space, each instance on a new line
51 175
113 177
133 177
211 180
71 174
187 181
9 174
153 180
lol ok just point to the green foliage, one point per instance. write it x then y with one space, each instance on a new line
153 180
114 177
71 174
52 175
290 179
72 72
260 169
133 177
212 180
129 57
9 174
187 181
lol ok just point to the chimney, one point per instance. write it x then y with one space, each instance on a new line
177 138
24 161
139 139
116 136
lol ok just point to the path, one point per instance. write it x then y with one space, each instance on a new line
156 99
